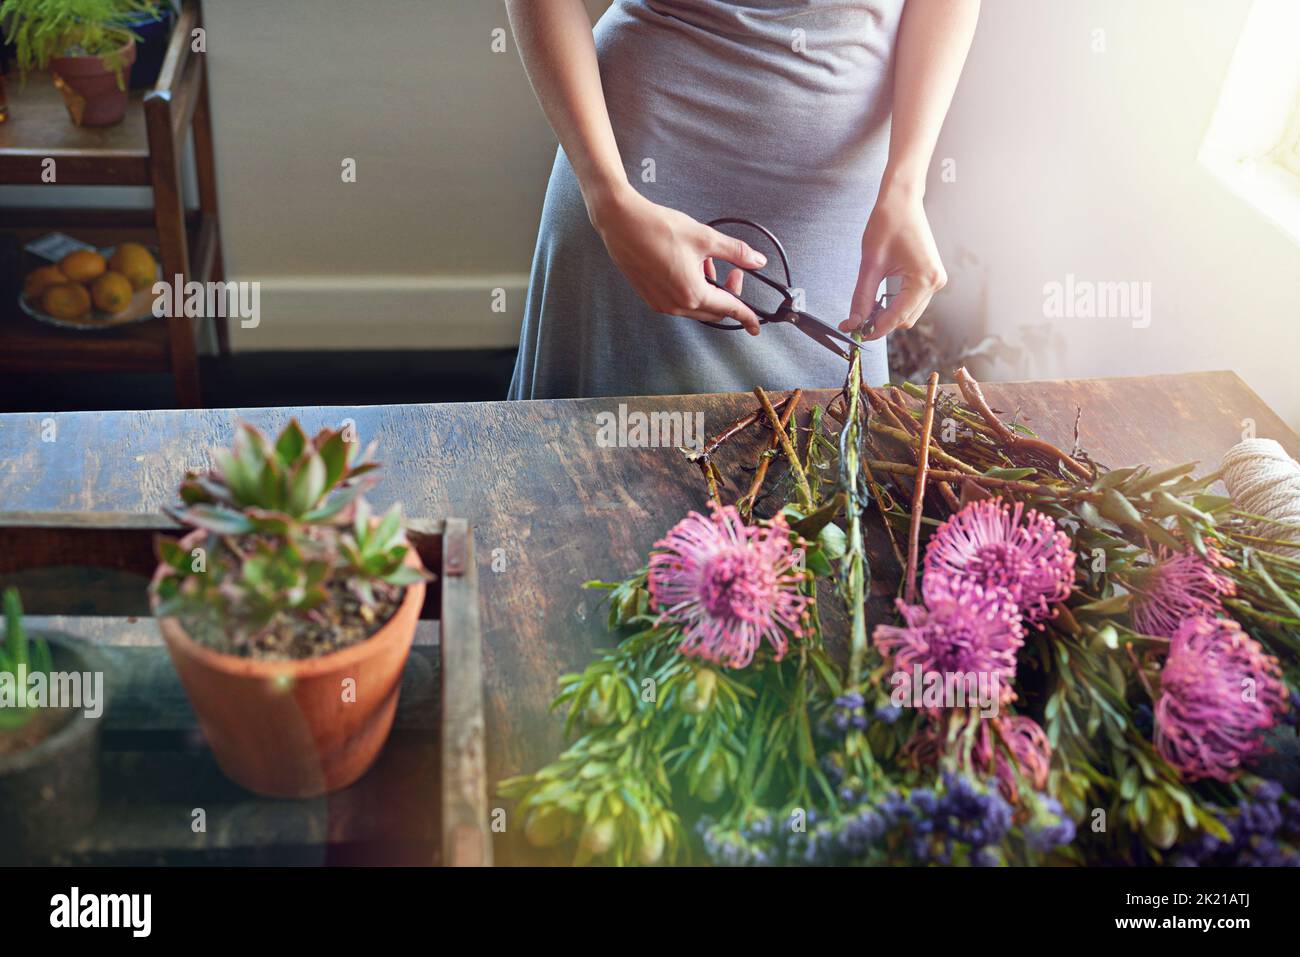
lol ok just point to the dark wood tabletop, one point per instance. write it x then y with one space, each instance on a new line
551 506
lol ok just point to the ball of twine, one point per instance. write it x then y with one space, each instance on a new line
1263 480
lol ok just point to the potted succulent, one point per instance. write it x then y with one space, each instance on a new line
87 45
289 609
49 747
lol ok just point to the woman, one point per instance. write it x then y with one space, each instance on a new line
678 112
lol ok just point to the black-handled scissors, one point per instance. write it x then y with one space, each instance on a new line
818 329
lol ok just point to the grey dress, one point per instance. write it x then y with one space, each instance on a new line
772 110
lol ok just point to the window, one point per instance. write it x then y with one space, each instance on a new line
1253 142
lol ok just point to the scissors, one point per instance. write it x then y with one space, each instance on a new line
818 329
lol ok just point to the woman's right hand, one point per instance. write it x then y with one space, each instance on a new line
666 256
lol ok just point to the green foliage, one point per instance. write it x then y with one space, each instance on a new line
655 731
43 29
19 651
286 526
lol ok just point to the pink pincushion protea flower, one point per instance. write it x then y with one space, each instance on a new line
1219 692
728 585
1030 750
964 631
995 545
1178 587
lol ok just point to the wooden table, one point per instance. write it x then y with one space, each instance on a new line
552 508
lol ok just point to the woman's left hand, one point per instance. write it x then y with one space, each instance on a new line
897 242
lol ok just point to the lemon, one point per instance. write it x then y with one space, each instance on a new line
135 263
112 292
68 300
84 265
39 280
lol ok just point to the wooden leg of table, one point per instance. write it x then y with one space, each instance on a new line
169 214
173 245
205 166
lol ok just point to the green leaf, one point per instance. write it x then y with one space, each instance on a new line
215 518
239 478
1114 605
1166 504
270 485
289 446
390 527
334 453
1142 806
815 561
1148 482
306 485
1010 474
1184 802
250 444
361 521
1159 534
1278 593
812 526
404 575
1211 503
1116 477
1128 785
268 522
15 636
1193 534
1119 509
833 541
335 503
1088 512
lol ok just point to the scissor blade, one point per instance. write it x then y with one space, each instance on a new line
825 333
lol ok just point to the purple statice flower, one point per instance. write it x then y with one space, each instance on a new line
1030 759
967 630
1048 827
728 586
1177 587
997 545
1219 691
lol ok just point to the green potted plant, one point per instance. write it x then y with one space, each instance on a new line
49 747
289 609
85 44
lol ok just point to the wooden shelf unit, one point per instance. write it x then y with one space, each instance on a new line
145 149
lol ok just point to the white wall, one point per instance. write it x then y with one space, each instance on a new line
451 156
1070 161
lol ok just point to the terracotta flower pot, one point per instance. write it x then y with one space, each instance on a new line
296 728
90 88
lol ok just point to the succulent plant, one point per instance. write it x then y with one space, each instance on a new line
18 651
289 538
376 551
257 486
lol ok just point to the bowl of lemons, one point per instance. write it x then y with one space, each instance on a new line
93 289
